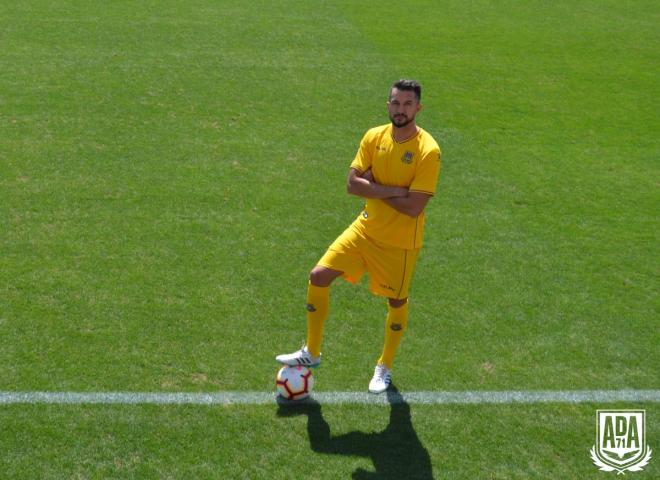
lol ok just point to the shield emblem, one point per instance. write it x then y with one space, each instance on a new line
620 440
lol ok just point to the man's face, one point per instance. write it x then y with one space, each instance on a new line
402 107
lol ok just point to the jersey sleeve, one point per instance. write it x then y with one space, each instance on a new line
426 176
364 156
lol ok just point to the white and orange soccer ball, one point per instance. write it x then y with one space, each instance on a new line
294 383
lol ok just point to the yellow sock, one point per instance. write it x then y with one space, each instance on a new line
318 301
395 325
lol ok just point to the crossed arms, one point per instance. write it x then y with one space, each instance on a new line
399 198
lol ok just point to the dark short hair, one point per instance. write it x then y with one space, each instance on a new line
410 85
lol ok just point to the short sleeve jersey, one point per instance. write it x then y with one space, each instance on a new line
414 164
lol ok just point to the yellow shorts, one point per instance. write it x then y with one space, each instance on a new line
390 268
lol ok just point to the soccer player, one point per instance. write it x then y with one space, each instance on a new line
396 170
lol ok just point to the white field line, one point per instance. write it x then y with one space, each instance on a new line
265 398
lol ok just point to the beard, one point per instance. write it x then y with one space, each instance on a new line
400 121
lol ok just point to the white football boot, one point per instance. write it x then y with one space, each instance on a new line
301 357
381 379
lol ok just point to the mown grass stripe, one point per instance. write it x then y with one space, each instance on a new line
264 398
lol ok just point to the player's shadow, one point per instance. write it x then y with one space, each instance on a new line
396 452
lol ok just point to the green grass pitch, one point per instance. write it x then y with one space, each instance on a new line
170 171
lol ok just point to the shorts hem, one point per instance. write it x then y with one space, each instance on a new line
344 275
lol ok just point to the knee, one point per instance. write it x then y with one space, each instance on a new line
321 276
397 302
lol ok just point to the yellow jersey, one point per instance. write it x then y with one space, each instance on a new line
414 164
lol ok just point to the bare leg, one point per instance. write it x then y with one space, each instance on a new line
397 302
321 276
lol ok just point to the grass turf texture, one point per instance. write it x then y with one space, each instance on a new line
169 174
493 442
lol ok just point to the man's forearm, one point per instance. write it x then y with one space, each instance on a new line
400 204
399 198
367 188
412 205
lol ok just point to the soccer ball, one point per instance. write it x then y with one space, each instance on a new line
294 383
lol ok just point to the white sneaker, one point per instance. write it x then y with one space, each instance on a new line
301 357
381 379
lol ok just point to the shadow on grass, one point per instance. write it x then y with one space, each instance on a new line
396 452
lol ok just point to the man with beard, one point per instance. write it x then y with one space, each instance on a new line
396 170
